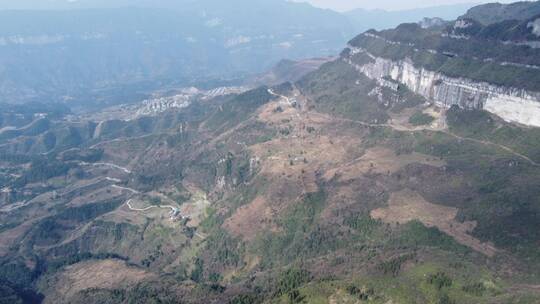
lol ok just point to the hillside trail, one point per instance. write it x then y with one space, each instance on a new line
299 115
529 288
415 129
128 203
447 132
133 191
110 165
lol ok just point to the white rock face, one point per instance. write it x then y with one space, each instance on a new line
518 110
511 104
98 130
535 25
462 24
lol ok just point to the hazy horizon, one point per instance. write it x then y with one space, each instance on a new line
336 5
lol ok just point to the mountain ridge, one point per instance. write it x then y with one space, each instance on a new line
221 42
497 12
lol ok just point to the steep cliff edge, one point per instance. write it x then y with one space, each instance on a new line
455 67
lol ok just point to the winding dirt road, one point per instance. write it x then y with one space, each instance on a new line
128 203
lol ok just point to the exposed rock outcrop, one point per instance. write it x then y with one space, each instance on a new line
511 104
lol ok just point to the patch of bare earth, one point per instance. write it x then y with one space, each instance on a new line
291 162
248 220
196 208
406 205
106 274
10 237
380 161
311 143
100 194
125 215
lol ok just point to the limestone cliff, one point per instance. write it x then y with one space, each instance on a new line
511 104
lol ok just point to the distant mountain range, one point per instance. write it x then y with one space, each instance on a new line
94 52
70 55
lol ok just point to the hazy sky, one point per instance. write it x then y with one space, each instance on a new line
343 5
339 5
